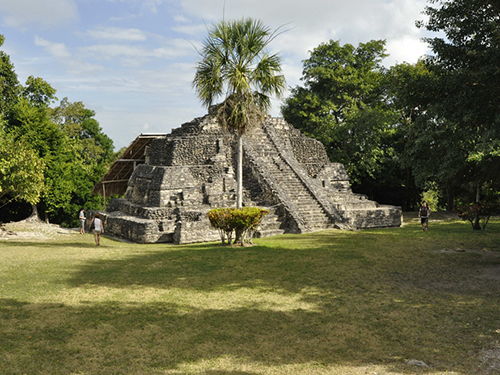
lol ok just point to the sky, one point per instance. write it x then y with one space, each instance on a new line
133 61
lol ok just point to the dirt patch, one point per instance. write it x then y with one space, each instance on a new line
22 230
491 358
489 272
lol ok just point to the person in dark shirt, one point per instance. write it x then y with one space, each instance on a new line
423 214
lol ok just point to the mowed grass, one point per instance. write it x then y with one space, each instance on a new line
331 302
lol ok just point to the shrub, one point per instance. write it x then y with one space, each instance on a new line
220 219
478 214
242 223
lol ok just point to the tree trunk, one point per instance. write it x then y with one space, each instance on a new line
451 200
34 214
239 174
477 225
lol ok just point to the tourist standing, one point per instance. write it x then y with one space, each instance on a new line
98 228
424 213
82 218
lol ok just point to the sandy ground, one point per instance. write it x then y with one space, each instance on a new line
33 230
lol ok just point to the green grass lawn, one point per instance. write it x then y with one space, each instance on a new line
331 302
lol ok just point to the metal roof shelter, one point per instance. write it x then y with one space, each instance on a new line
116 179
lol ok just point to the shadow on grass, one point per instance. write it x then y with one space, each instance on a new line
209 267
112 338
364 300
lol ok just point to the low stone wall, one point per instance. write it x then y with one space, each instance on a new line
381 217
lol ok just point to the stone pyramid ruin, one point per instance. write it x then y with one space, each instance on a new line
191 170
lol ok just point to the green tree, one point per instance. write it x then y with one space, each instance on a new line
93 148
466 89
31 125
21 171
38 92
343 104
236 68
75 160
79 123
9 85
67 139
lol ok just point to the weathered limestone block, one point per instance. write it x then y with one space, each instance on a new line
161 186
334 179
191 171
379 217
194 226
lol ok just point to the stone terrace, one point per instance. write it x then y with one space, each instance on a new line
191 171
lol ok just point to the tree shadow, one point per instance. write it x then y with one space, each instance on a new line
208 267
356 307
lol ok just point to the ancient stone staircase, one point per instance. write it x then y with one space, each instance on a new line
191 170
308 211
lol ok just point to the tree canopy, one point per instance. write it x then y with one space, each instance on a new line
430 125
464 97
65 151
236 68
343 104
21 171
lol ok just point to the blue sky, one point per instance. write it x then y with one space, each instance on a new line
132 61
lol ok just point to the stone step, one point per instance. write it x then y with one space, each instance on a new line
308 206
317 217
268 233
357 205
307 201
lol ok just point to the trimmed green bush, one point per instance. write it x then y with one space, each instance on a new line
242 223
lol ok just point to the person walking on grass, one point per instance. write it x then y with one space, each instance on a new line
424 213
98 229
82 218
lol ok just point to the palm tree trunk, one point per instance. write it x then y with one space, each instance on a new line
239 174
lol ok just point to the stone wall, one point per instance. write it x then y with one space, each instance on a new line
191 171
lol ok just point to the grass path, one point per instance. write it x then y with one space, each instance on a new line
331 302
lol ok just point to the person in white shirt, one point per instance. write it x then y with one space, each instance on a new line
98 228
82 221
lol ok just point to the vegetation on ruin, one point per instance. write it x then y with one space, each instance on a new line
331 302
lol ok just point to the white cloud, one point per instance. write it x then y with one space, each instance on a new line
117 34
46 13
405 49
193 30
128 61
315 21
137 55
57 50
62 55
111 51
181 19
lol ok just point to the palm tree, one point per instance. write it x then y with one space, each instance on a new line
236 68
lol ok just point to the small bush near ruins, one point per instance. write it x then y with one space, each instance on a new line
242 223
